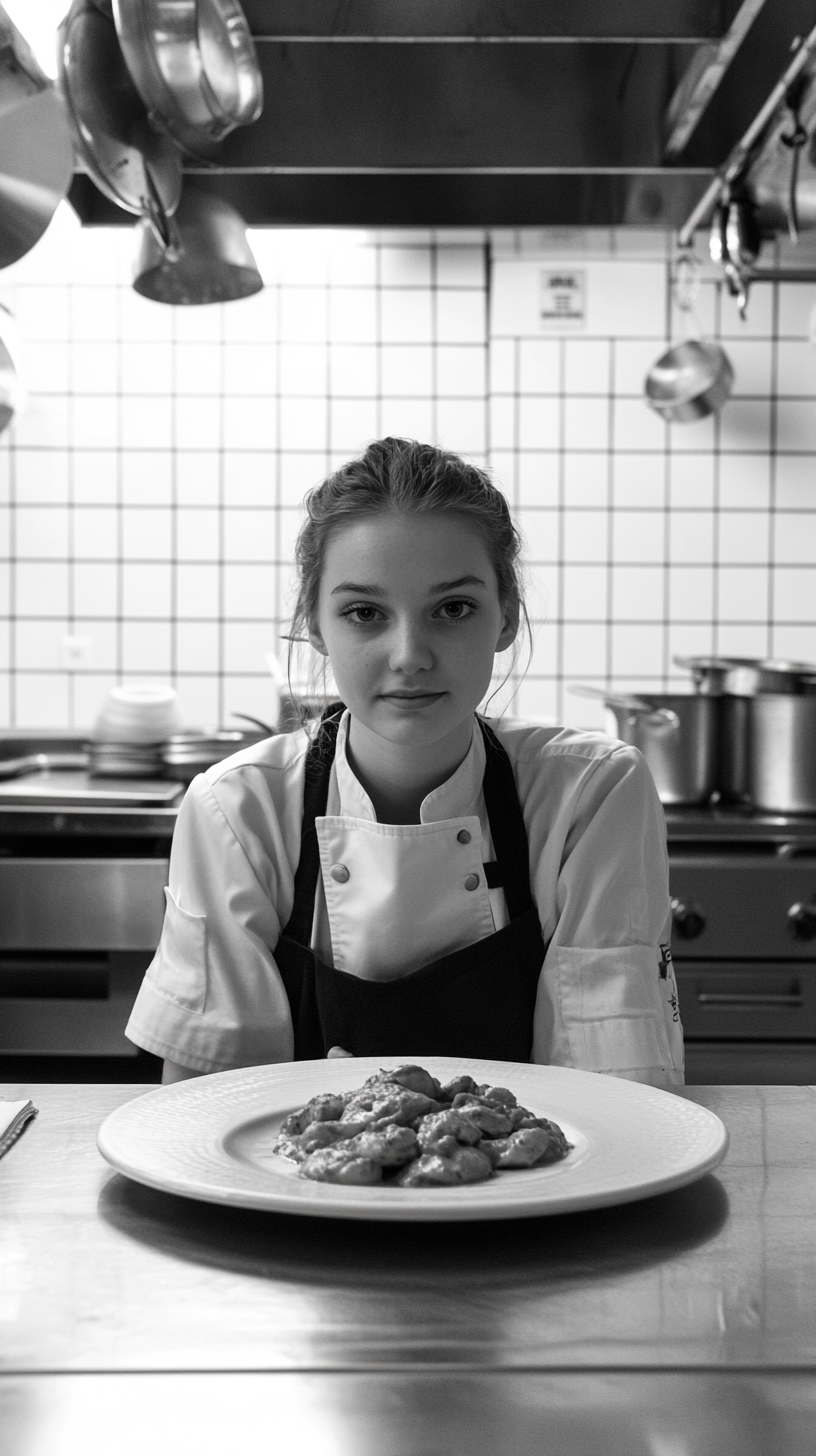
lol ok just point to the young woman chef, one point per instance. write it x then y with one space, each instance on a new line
412 878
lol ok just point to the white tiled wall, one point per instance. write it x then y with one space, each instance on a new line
150 490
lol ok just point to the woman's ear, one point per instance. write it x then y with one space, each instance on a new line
317 641
511 625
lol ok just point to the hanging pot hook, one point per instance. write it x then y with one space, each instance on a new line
795 141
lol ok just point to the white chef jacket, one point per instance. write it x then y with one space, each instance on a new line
213 997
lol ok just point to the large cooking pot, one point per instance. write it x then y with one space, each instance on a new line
781 753
744 677
677 733
36 152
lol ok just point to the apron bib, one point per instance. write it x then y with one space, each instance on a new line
476 1002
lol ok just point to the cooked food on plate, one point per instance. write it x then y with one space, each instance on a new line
405 1127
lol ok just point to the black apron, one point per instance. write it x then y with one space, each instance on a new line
476 1002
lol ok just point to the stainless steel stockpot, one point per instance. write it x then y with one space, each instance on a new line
780 753
742 677
677 733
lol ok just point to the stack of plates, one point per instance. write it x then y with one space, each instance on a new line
131 730
126 760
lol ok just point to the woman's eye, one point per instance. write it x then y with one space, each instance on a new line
457 611
361 613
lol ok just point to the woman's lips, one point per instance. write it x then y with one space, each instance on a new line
411 700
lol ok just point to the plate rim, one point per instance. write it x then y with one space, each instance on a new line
329 1201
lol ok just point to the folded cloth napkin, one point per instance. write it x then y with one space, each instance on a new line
13 1118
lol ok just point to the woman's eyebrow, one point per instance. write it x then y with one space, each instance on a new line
443 586
359 588
364 589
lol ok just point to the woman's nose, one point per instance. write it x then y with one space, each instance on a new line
410 649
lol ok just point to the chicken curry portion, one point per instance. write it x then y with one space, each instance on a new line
406 1128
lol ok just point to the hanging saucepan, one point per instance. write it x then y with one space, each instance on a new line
135 166
36 154
693 378
212 261
194 65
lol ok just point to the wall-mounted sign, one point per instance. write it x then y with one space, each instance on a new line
562 299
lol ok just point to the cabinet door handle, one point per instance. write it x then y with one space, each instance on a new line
749 998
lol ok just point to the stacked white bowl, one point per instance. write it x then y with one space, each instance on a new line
132 727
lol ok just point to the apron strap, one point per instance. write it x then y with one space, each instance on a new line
510 870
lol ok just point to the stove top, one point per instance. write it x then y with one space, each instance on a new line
738 825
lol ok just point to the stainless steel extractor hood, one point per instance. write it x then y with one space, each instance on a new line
464 112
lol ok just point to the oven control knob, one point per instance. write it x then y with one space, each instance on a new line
687 918
802 920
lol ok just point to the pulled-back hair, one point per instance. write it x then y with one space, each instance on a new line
409 478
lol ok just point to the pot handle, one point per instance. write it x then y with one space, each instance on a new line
161 223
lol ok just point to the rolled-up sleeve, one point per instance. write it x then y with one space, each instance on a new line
607 999
212 997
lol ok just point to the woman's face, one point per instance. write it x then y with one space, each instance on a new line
410 618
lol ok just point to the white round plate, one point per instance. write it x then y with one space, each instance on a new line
211 1138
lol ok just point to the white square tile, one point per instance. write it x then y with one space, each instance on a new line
407 370
199 323
586 536
249 535
691 593
252 320
95 532
503 365
353 316
198 367
793 593
539 424
146 649
536 701
249 369
587 424
300 470
95 476
249 694
196 647
198 700
146 590
5 458
41 531
745 480
461 425
638 593
636 427
41 699
352 262
250 424
460 316
691 536
198 534
198 590
249 591
547 639
587 369
198 424
586 479
412 418
406 316
89 691
796 425
146 423
503 422
692 480
742 594
746 425
586 593
631 361
797 644
758 323
304 370
751 359
540 530
353 370
304 315
48 363
796 304
540 365
141 318
405 267
638 536
95 312
795 481
104 643
42 312
198 474
538 477
794 540
461 370
637 479
742 640
352 423
147 477
796 364
38 645
41 475
303 425
147 534
690 639
585 648
696 436
95 367
246 645
45 420
743 537
147 367
95 421
289 523
638 650
462 267
95 589
5 514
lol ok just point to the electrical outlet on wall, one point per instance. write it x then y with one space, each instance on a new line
76 652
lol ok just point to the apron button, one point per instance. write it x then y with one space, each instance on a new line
472 882
463 836
339 873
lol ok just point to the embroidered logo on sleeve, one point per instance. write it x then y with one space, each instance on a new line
664 966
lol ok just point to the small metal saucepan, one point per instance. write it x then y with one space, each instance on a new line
689 381
677 733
